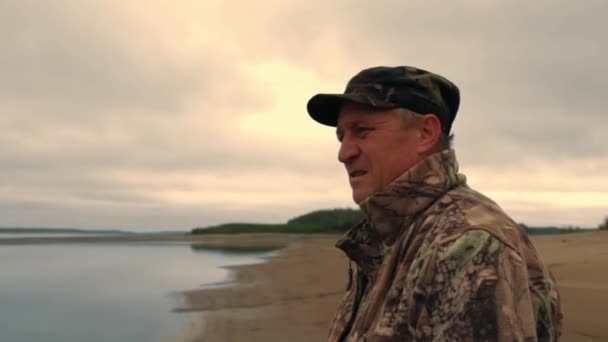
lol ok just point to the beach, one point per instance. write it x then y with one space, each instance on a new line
293 296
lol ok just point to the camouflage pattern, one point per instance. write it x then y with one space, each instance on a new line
438 261
392 87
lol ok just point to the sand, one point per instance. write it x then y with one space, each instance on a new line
292 297
289 298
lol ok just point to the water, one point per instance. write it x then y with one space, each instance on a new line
102 292
41 235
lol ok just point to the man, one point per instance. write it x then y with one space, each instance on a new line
436 260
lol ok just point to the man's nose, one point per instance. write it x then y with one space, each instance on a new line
348 151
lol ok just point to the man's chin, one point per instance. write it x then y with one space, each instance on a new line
359 197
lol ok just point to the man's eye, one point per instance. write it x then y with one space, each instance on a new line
362 130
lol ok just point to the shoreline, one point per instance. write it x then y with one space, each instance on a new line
289 297
205 240
293 295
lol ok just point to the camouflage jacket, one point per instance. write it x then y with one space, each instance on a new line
438 261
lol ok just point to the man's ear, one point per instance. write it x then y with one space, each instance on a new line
429 131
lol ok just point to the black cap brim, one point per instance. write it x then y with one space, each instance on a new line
325 108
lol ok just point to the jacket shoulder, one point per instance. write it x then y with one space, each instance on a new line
465 209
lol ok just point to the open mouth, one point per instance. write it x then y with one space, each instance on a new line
357 173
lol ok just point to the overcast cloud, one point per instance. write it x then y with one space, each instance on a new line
152 115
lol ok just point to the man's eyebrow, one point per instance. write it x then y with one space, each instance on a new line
350 125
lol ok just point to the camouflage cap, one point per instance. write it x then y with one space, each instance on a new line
392 87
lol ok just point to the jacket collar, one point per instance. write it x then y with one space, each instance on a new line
392 210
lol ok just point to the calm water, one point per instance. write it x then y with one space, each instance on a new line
39 235
103 292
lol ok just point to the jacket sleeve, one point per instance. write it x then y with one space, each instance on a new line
475 288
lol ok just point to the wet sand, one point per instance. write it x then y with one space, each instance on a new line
292 297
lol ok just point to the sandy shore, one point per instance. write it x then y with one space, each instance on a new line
293 296
289 298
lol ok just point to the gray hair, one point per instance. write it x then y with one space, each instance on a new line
408 118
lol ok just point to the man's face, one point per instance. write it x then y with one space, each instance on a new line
374 148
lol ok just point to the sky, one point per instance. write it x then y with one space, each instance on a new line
167 115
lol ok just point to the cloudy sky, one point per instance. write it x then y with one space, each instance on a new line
150 115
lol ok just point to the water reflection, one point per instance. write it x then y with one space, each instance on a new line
236 250
104 292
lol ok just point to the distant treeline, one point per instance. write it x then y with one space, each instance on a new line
330 221
551 230
335 221
604 225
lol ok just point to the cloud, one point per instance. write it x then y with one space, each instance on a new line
182 113
531 75
69 62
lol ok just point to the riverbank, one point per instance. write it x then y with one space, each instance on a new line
289 298
218 240
292 297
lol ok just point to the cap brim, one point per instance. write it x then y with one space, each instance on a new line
325 108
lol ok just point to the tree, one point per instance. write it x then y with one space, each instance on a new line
604 225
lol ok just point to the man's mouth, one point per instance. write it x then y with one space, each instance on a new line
357 173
